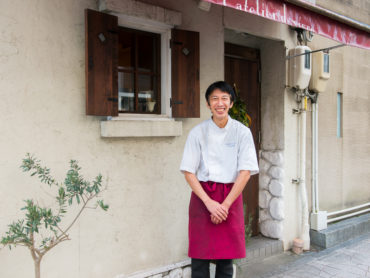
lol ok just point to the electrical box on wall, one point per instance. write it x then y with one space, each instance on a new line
299 67
320 71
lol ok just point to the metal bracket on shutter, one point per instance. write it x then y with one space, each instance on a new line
112 31
185 51
114 99
172 102
172 42
101 37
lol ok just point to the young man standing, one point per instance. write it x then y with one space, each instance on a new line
219 158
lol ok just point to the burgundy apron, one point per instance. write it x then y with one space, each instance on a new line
216 241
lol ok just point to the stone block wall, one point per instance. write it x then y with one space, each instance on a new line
271 192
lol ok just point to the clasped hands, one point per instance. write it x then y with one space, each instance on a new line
219 212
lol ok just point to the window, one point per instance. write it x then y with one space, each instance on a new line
339 115
326 62
138 71
307 59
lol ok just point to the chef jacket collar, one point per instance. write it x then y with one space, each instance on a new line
227 126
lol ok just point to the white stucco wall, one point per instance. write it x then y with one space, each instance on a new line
42 77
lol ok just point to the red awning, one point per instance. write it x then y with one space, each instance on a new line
296 16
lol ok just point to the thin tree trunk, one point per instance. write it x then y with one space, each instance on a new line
37 268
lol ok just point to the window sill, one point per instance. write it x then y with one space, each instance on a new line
140 126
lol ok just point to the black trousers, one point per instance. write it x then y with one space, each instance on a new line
200 268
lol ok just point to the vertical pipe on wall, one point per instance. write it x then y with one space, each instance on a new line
317 155
318 218
305 227
313 160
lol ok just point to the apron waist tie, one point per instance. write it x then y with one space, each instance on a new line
211 187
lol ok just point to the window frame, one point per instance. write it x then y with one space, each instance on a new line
135 71
164 30
339 115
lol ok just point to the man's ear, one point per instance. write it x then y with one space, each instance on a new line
231 104
208 104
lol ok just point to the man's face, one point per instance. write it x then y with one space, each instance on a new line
219 103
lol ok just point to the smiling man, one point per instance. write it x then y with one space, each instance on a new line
218 160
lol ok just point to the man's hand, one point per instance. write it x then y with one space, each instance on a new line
214 220
217 210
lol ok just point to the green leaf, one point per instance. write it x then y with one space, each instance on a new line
102 205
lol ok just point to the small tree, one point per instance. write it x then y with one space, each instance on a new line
41 229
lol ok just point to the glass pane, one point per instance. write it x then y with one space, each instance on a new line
147 93
147 50
307 62
126 54
126 96
339 115
326 62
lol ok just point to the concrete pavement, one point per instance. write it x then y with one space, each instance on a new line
348 260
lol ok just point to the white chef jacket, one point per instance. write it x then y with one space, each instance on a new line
218 154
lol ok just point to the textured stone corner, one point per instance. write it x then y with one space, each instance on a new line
271 192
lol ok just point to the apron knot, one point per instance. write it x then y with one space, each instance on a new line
211 186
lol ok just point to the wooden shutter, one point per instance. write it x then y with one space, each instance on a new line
101 31
185 99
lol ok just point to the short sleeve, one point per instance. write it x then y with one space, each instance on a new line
247 158
191 157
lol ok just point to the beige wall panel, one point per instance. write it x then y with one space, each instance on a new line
344 162
356 127
356 9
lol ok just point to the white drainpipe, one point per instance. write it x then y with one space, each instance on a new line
316 156
314 193
305 227
318 218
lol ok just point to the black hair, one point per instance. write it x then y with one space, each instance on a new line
223 87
